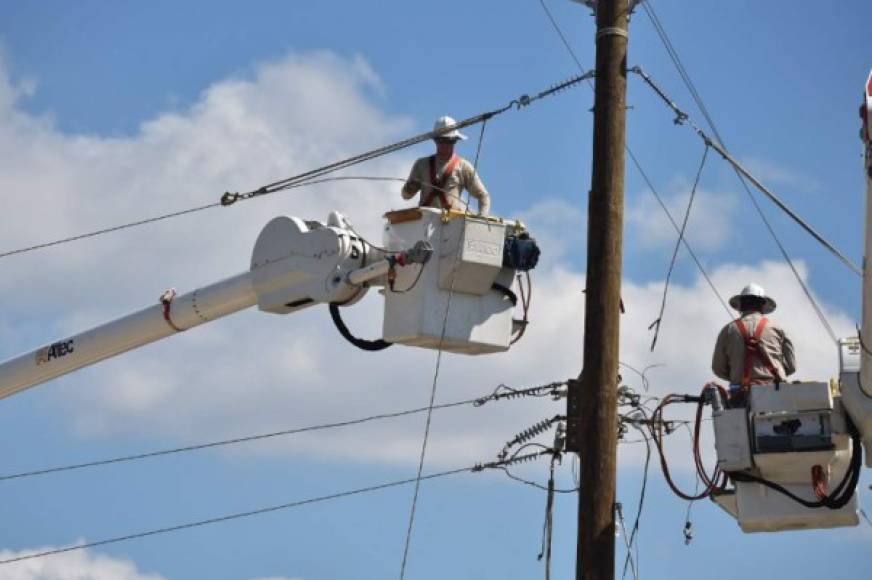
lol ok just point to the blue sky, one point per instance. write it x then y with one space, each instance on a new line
113 112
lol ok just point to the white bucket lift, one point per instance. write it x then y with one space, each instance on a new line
797 436
433 258
466 271
788 431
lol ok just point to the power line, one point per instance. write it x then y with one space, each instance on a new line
741 172
314 175
637 164
619 511
676 60
108 230
523 101
802 284
562 37
688 524
656 323
426 437
496 395
412 510
264 510
682 117
633 540
172 215
675 225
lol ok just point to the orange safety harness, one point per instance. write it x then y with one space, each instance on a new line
752 349
437 182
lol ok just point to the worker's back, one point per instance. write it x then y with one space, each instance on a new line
729 359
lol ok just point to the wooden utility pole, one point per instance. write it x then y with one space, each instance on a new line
595 399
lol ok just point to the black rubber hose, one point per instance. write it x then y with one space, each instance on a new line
370 345
507 292
380 344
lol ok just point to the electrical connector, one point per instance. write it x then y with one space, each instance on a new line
688 533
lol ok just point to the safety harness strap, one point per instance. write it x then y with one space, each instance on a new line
437 182
753 348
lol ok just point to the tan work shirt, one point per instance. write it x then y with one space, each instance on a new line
463 177
728 360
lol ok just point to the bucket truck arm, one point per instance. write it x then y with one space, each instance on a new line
295 264
857 386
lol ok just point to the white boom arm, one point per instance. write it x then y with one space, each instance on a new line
857 393
123 334
295 264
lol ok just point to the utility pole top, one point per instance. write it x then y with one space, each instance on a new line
631 4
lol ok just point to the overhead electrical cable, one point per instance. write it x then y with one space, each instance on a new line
539 391
679 65
633 542
682 118
563 38
641 418
675 225
741 172
688 524
314 175
619 512
265 510
656 324
426 437
548 524
523 101
637 164
177 214
107 230
539 486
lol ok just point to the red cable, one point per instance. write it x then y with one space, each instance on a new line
166 300
819 482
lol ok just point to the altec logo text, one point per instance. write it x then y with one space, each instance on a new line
53 351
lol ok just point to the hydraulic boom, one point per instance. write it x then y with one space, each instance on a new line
857 391
296 264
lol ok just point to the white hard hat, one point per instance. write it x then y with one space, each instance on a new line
754 290
444 123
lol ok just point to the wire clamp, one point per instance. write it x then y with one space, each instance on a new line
229 198
688 533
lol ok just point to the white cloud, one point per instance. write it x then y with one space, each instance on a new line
253 372
76 565
292 115
771 174
709 227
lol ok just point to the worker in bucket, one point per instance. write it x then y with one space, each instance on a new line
751 350
440 178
